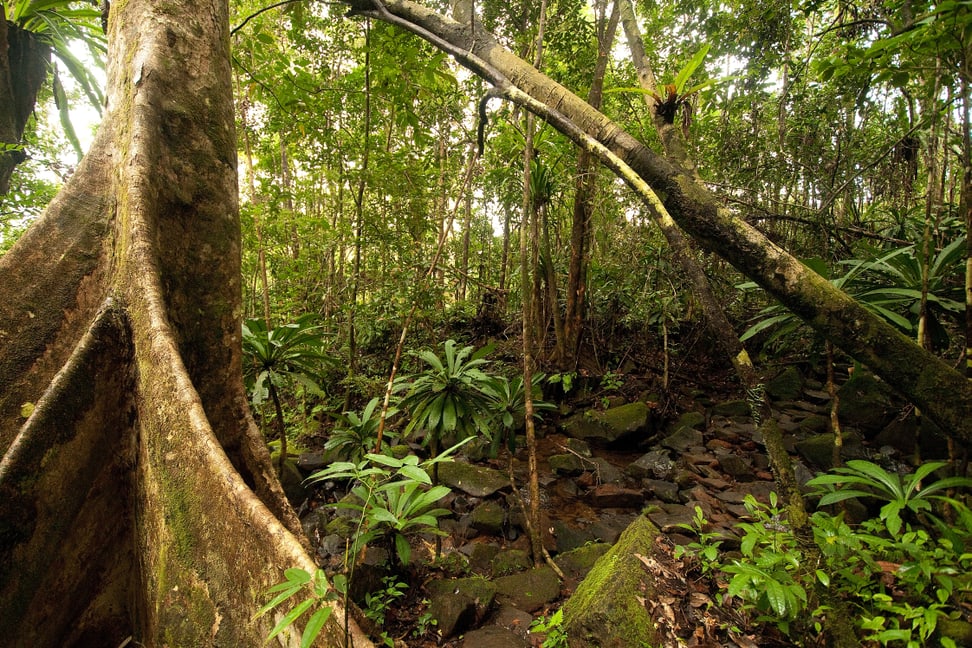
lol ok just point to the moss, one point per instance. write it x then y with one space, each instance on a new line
605 610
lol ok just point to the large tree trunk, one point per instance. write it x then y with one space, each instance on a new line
23 69
943 393
136 494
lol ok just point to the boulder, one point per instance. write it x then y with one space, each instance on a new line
576 564
569 464
732 409
690 419
786 385
655 465
614 425
477 481
488 518
459 604
865 403
605 610
529 590
493 636
683 439
614 496
509 562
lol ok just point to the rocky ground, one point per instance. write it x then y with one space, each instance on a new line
603 470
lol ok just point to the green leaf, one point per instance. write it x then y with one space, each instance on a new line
290 617
402 548
314 625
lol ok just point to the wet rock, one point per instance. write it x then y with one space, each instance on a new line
614 496
787 385
510 562
529 590
488 518
610 426
737 468
605 609
493 636
459 604
477 481
655 465
683 439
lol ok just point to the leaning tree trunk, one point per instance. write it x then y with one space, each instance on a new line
137 498
943 393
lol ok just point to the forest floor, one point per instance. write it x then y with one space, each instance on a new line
714 471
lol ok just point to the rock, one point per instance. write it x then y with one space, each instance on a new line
664 490
292 481
488 517
311 462
606 472
787 385
510 562
493 636
818 450
481 555
865 403
459 604
315 523
579 446
569 464
614 496
655 465
577 563
569 537
683 439
516 621
472 480
605 611
733 408
813 424
694 420
737 468
610 426
529 590
607 528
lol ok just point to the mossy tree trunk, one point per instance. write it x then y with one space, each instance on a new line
137 497
942 392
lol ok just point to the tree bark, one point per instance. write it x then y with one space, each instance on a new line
926 380
23 69
137 499
584 194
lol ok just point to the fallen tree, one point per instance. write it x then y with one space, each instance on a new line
942 393
137 499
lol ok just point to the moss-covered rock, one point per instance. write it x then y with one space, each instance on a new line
610 426
787 385
459 604
529 590
472 480
605 611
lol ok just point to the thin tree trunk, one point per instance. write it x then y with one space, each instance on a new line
585 192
